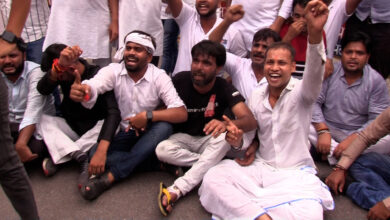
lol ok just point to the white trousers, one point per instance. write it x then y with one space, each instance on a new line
61 140
200 152
382 146
231 191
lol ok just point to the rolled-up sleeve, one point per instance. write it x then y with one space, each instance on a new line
167 92
35 100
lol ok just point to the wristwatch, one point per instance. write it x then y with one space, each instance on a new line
9 37
149 116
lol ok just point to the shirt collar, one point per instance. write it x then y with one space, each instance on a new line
147 76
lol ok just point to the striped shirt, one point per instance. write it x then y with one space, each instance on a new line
36 23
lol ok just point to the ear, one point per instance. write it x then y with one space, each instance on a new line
368 58
150 57
293 66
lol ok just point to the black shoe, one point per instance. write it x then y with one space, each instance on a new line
48 167
95 186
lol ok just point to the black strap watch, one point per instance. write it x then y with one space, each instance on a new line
149 116
9 37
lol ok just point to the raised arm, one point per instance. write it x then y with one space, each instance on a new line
233 14
175 6
114 26
316 14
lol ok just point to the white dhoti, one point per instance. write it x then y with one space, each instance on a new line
61 140
200 152
381 147
231 191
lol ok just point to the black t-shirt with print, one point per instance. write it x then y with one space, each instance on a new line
223 95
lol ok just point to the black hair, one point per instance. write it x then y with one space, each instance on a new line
144 33
357 37
264 34
52 52
282 45
21 45
301 3
210 48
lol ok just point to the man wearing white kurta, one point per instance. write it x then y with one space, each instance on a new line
281 182
88 24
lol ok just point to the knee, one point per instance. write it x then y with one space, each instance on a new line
163 151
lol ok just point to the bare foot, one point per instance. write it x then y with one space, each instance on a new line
169 206
25 153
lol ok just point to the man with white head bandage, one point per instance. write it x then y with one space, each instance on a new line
139 89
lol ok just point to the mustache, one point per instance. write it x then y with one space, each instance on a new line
131 57
8 65
259 55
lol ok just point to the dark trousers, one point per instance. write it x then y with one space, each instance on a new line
13 176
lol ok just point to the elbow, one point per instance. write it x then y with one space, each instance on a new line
182 114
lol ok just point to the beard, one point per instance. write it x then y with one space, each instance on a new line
18 70
209 14
206 80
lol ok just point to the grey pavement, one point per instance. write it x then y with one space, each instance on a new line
57 197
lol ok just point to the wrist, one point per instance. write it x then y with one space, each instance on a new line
339 168
323 131
239 147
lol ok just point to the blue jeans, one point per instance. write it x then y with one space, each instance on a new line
171 32
127 150
34 51
372 173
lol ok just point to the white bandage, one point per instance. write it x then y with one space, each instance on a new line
137 38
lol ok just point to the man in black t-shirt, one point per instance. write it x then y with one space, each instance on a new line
200 141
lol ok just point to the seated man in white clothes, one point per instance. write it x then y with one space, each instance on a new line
26 105
281 182
195 25
140 89
353 96
200 141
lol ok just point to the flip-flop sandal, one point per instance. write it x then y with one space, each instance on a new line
164 192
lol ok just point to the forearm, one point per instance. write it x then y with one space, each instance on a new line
278 23
46 85
113 5
25 134
314 69
320 126
103 146
246 123
219 31
172 115
175 6
18 16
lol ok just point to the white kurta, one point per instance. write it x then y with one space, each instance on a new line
143 15
80 22
281 181
258 15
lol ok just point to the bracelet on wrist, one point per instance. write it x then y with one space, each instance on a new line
339 167
237 148
57 67
323 131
